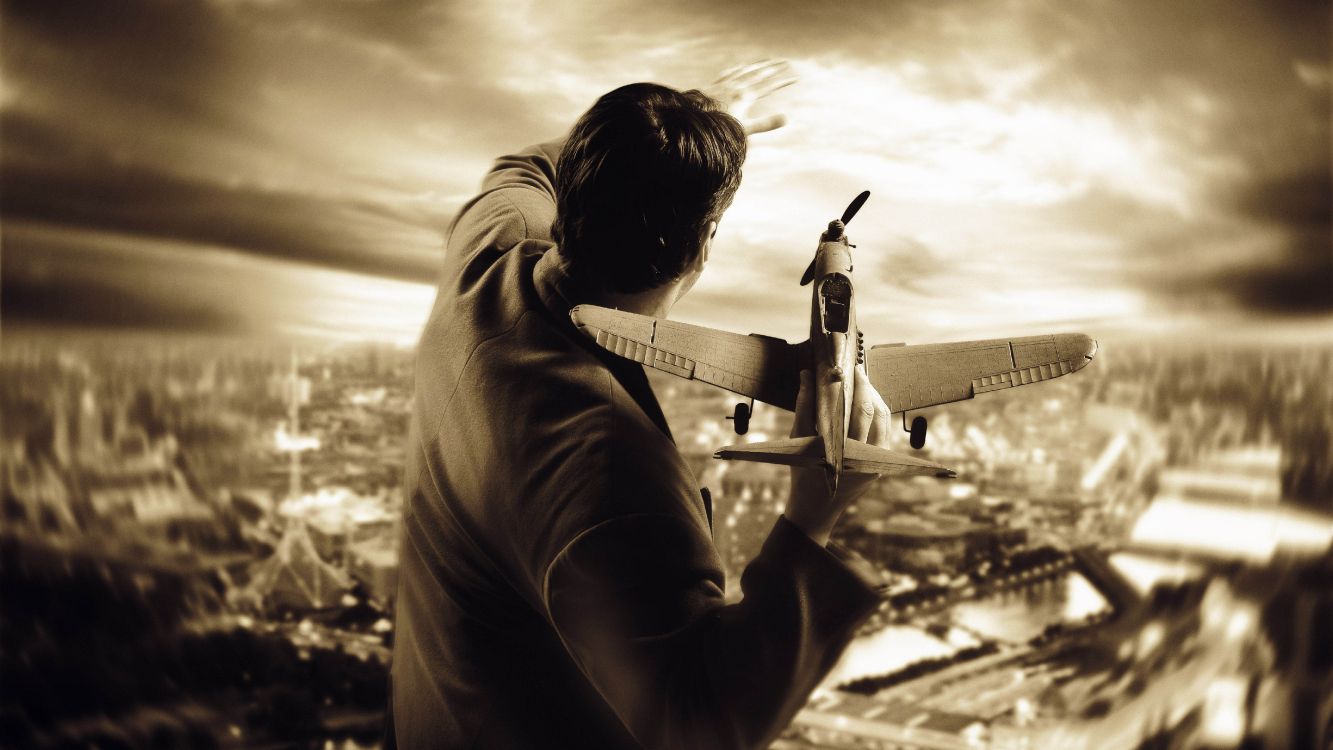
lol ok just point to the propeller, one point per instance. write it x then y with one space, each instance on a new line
855 206
839 225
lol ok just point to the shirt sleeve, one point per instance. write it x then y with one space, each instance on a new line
516 203
638 602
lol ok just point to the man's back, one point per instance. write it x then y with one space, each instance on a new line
511 413
559 586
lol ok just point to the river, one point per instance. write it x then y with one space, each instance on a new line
1009 617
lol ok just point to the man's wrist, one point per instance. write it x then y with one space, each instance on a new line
818 532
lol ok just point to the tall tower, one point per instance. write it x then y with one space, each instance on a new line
294 424
89 424
296 391
60 442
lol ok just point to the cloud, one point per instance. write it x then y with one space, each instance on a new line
102 306
1264 252
93 193
290 164
1298 279
137 283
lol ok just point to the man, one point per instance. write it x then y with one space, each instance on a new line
559 585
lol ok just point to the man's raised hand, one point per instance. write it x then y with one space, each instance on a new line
739 88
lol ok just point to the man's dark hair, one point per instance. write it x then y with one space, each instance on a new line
641 174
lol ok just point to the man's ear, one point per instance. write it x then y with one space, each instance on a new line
706 242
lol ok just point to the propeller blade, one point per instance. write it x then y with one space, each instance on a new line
855 206
809 274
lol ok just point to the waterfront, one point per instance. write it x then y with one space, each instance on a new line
1011 617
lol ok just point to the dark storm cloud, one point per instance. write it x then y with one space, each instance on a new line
90 304
339 234
62 183
50 279
1198 266
102 280
1298 202
1298 280
164 64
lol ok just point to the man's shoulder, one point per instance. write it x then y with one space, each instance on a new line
521 366
468 315
539 368
565 406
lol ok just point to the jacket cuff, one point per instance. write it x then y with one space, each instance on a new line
860 567
845 584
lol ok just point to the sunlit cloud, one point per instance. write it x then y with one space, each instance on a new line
348 307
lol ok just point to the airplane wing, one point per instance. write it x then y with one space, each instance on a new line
760 367
914 377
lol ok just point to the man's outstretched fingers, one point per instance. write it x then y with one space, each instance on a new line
879 431
862 416
869 414
765 124
756 72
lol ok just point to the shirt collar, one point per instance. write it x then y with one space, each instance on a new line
559 291
556 288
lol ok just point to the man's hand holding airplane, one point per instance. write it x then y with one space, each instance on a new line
810 508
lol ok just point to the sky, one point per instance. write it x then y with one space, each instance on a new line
289 167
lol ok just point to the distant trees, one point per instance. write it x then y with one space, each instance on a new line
874 684
1307 460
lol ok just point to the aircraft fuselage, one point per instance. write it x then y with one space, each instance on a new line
834 344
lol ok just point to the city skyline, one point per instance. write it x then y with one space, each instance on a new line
290 167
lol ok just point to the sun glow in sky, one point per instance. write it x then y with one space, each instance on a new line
290 167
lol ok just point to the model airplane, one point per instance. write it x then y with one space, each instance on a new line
768 369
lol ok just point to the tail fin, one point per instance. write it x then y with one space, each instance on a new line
802 451
858 457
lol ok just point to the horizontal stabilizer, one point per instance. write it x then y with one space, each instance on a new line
802 451
858 457
863 458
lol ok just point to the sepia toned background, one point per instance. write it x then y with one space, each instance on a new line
220 225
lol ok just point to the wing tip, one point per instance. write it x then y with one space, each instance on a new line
1078 349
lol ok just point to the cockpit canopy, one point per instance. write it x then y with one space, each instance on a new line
835 295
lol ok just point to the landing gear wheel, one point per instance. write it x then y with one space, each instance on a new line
918 439
742 418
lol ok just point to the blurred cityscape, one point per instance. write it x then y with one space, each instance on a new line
199 551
